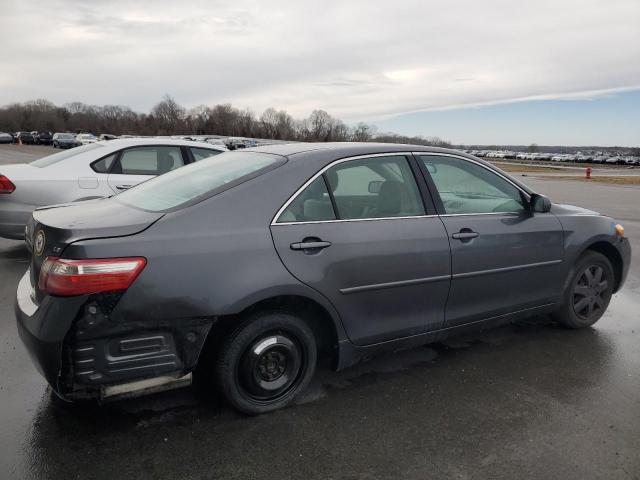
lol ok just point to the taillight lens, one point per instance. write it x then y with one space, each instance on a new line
59 276
6 185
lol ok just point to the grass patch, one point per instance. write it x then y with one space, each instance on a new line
626 180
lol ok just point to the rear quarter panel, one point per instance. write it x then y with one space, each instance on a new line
214 258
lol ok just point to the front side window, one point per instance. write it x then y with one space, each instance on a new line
154 160
377 187
467 188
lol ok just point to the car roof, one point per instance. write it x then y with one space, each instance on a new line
133 142
339 149
328 152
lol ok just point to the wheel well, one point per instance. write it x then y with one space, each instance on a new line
609 251
314 314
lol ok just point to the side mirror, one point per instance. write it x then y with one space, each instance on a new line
374 186
540 203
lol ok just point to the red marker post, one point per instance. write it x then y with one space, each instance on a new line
588 172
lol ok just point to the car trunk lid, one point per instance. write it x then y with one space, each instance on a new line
52 228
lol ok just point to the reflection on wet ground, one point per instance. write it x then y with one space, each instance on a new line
526 400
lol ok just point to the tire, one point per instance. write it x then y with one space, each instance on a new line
266 363
588 292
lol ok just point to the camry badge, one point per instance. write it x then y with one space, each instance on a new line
38 244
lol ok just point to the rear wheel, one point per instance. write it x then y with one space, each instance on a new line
266 363
589 291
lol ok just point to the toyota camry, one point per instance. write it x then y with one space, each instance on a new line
247 268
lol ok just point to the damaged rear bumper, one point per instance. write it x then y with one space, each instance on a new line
82 353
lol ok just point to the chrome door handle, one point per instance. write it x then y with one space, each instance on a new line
317 245
465 234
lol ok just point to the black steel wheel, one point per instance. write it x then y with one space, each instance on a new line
588 292
266 362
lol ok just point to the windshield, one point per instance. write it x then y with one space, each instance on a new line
198 180
65 136
57 157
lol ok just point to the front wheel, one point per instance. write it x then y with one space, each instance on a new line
588 293
266 363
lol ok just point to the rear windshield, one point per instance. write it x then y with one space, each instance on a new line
198 180
58 157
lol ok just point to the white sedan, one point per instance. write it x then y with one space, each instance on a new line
92 171
86 138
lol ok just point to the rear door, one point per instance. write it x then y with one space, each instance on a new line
359 233
138 164
504 258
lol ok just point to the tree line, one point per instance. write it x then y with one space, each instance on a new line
168 117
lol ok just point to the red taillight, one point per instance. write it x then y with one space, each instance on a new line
59 276
6 185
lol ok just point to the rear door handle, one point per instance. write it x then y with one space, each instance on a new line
465 234
123 187
316 245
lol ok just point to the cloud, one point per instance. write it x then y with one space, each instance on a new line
359 60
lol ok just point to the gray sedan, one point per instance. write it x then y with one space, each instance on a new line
247 267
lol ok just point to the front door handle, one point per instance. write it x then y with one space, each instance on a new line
123 187
310 246
465 234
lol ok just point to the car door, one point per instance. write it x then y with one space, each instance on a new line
504 258
360 233
138 164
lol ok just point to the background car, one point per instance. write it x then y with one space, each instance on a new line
86 138
91 171
43 138
6 137
64 140
249 266
25 138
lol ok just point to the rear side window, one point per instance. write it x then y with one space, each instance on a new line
311 205
198 181
368 188
58 157
202 153
153 160
105 164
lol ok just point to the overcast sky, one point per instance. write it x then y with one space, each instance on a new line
358 60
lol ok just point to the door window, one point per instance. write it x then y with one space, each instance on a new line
377 187
152 160
313 204
202 153
466 188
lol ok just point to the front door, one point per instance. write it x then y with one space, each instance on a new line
359 234
504 258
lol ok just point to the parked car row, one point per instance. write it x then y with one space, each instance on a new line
69 140
560 157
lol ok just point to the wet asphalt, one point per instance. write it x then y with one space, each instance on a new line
528 400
